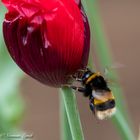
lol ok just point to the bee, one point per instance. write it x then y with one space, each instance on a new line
94 86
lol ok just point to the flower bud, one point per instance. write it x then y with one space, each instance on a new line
48 39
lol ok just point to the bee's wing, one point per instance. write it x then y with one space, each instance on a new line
112 80
113 67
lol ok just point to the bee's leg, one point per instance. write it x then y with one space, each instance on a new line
82 70
91 104
76 78
92 108
80 89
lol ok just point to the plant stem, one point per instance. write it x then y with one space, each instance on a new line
123 126
65 128
72 113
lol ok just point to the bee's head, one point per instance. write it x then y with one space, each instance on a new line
103 103
86 75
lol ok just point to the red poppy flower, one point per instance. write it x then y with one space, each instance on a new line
48 39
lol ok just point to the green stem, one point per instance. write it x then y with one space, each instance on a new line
65 128
123 126
72 114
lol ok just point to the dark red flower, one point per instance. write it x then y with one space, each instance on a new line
48 39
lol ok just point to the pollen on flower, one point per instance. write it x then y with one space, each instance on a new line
48 39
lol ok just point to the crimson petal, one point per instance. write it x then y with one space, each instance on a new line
49 40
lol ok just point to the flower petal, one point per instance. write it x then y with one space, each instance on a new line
48 40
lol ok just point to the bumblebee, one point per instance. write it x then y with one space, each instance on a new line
94 86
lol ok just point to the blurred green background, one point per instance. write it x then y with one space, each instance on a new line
41 117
